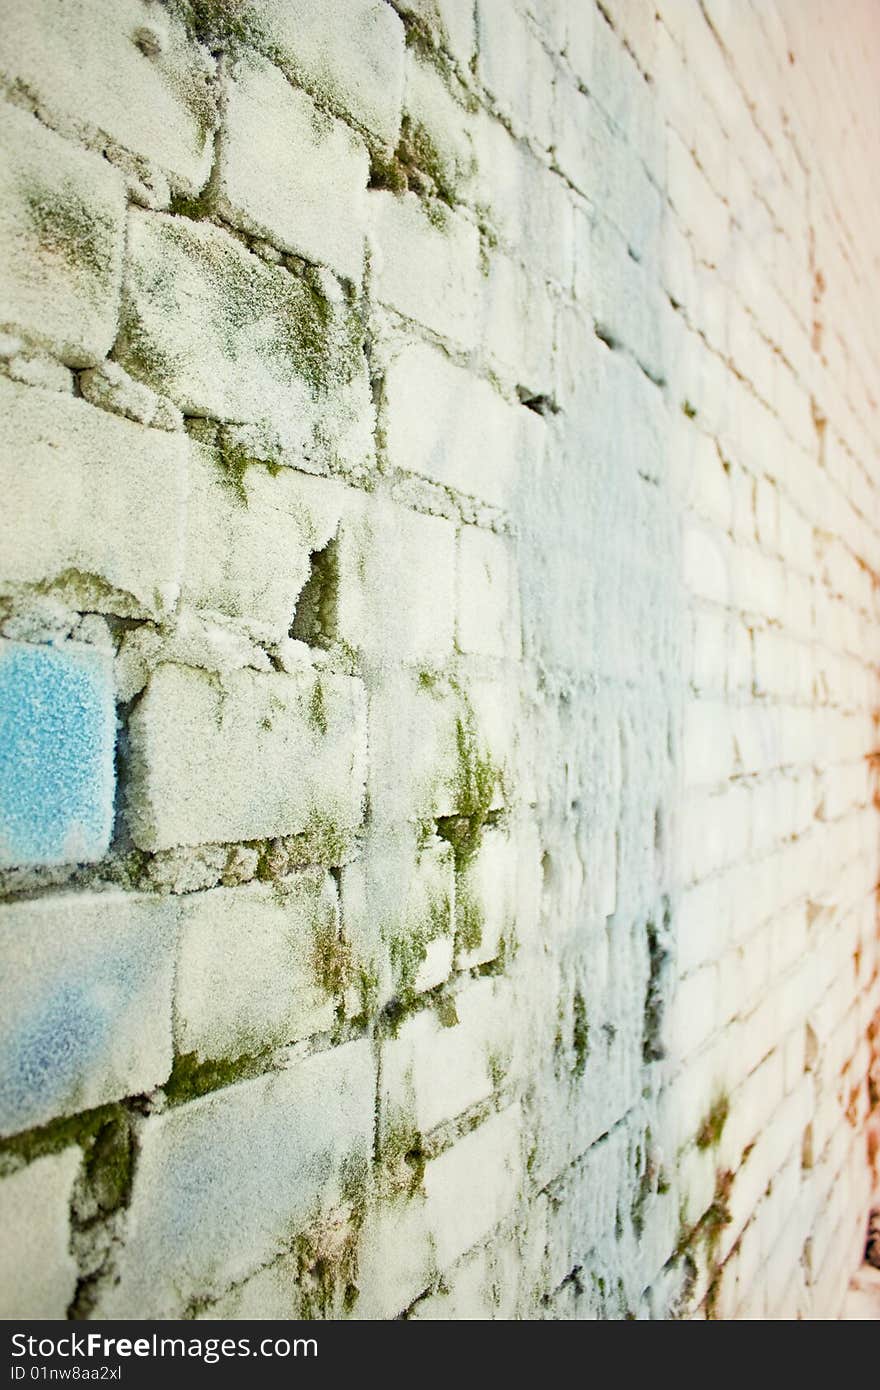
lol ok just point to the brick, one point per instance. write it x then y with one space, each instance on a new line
452 427
64 222
515 68
518 316
396 578
482 1286
291 173
530 208
717 830
395 1260
256 966
451 21
228 1180
432 1073
200 746
708 749
706 565
117 69
438 128
110 388
426 269
398 916
415 757
622 298
700 209
38 1274
57 737
604 168
598 56
488 618
348 53
94 504
701 476
88 1017
278 523
696 1015
485 907
473 1186
226 336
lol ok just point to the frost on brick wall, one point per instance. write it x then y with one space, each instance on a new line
437 673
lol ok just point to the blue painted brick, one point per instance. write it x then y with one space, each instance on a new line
86 1017
57 734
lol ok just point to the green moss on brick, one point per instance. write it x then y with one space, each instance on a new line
402 1155
192 1077
331 959
712 1128
470 921
580 1034
318 708
66 226
103 1135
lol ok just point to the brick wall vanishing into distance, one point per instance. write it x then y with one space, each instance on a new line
439 663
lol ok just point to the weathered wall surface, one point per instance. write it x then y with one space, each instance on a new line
439 663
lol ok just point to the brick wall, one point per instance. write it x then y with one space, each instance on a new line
438 673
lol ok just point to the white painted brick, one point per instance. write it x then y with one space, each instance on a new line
607 171
277 522
451 21
709 648
111 388
397 911
84 63
291 173
708 747
63 225
88 1015
414 763
497 740
529 206
426 269
253 964
716 831
88 492
700 209
706 565
452 427
482 1286
348 53
516 69
202 745
227 336
696 1015
598 56
397 572
473 1186
38 1274
488 603
432 1073
518 315
228 1180
701 476
703 922
621 297
395 1259
485 908
438 128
